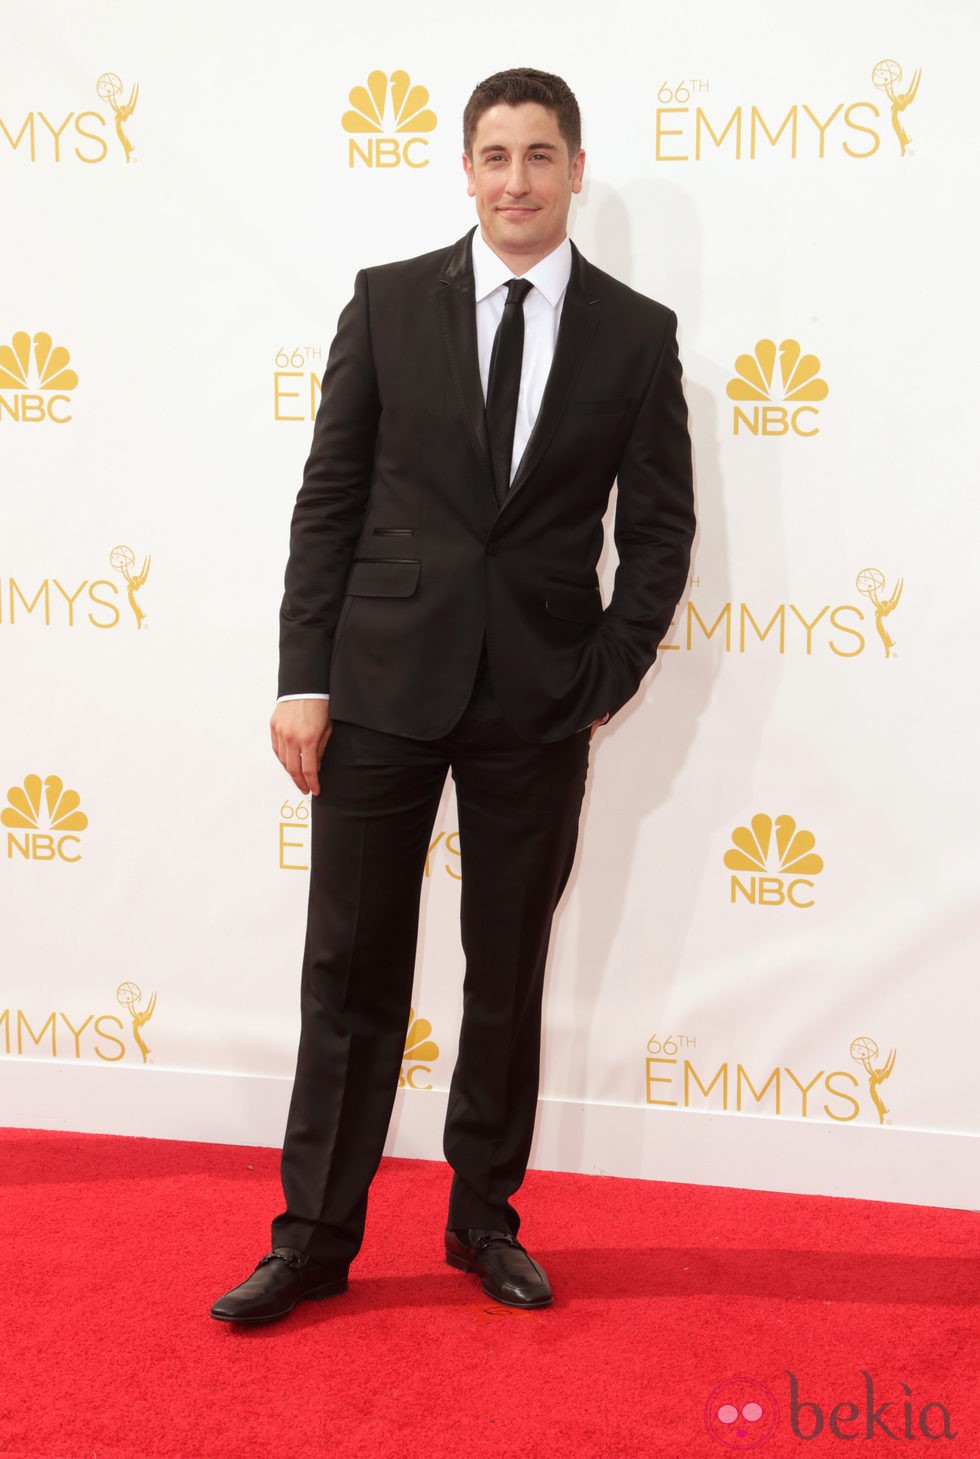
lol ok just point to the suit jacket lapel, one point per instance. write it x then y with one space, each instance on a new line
579 319
457 307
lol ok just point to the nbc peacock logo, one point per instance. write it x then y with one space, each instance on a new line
35 379
779 859
42 820
420 1053
777 406
388 105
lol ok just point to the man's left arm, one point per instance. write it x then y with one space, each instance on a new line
654 525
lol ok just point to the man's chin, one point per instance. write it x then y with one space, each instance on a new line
517 235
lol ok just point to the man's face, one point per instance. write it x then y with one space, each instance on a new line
522 178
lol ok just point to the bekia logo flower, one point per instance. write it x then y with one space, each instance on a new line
741 1413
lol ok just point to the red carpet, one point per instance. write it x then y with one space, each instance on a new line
676 1307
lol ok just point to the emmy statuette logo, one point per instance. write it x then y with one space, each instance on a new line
887 76
386 105
871 583
420 1052
780 864
864 1051
110 89
123 559
35 380
797 389
129 996
42 819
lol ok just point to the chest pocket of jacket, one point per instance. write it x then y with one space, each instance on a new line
571 602
384 577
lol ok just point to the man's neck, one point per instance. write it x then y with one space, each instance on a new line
519 263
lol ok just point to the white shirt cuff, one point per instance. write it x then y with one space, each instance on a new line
285 698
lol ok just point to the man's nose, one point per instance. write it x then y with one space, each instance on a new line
517 180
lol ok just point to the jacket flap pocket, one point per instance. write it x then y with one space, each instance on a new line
383 578
568 600
598 407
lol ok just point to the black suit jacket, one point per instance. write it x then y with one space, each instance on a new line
401 558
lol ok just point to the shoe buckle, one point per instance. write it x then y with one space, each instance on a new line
291 1259
488 1240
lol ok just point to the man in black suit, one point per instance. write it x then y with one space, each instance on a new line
442 613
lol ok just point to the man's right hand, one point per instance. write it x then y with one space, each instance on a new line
300 731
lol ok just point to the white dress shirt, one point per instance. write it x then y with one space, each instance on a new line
542 316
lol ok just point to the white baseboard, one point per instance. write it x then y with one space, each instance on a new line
751 1152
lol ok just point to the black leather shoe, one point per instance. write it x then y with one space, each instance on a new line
280 1280
506 1271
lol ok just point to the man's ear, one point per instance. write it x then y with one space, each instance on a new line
470 179
578 168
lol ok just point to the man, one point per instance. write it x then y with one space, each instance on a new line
442 613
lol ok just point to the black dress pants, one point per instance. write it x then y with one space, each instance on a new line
519 808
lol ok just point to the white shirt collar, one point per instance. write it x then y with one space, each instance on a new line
549 275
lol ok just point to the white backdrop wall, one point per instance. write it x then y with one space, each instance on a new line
764 968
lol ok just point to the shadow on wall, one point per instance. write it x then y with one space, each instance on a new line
639 758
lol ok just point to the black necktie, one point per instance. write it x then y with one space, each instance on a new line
504 383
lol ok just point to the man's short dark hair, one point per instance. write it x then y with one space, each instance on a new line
517 87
